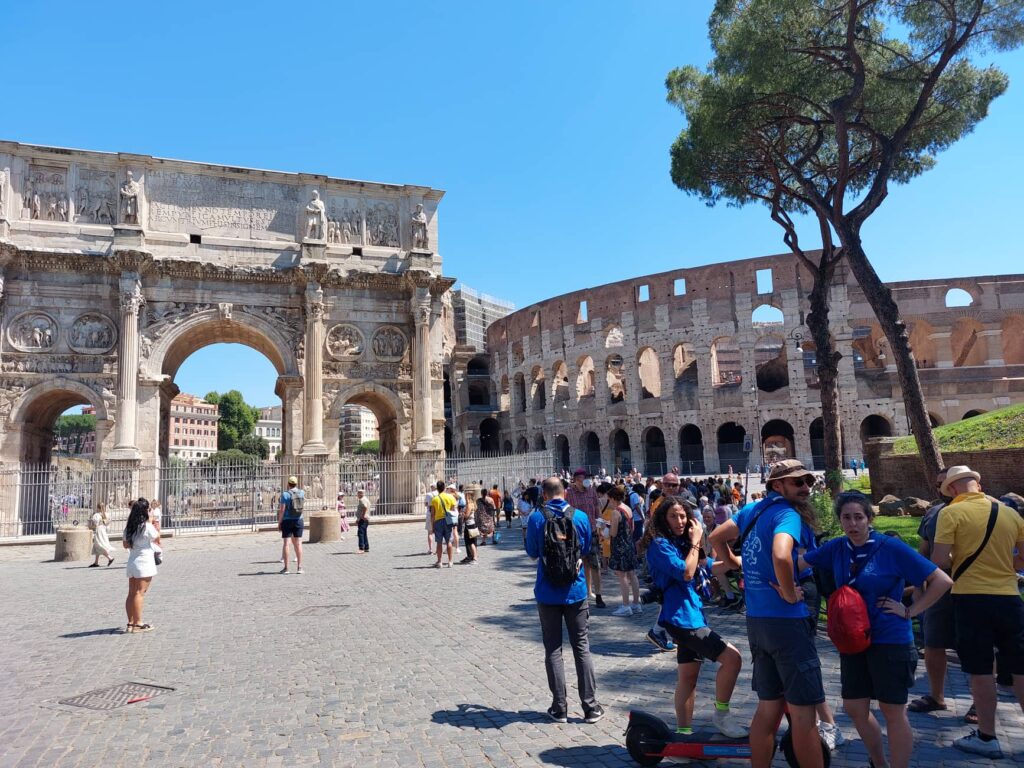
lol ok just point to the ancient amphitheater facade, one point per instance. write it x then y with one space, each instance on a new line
683 368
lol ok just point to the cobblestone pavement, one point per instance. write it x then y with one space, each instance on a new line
414 666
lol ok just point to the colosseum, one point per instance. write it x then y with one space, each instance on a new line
679 368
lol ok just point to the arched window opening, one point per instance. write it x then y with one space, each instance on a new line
726 368
616 379
560 382
770 363
691 450
766 314
731 454
490 436
966 344
650 373
654 452
684 366
585 378
958 297
622 456
777 441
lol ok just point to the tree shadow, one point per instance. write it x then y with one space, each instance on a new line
483 717
585 755
91 632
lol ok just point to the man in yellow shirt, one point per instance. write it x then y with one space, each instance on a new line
977 537
442 508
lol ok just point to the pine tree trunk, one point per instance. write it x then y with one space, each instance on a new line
828 378
888 314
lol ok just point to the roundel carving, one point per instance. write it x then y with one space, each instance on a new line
32 331
388 343
92 334
345 341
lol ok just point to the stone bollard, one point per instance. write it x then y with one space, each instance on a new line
324 527
73 544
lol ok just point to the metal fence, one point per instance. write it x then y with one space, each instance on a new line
208 497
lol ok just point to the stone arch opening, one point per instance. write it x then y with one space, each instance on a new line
448 446
868 348
874 426
935 419
523 445
478 366
726 368
655 456
539 443
519 382
505 403
562 451
958 297
921 344
691 449
684 366
386 409
650 373
490 436
966 344
538 389
767 314
585 377
479 393
771 363
974 412
38 409
506 446
809 361
622 455
1013 339
590 449
560 382
616 379
730 447
777 441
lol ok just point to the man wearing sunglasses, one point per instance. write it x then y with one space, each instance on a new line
786 666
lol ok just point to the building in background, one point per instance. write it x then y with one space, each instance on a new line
358 426
81 446
193 427
268 426
473 312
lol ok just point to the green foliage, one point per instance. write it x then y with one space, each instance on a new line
1003 428
827 522
254 446
906 527
237 418
369 447
232 456
75 426
860 483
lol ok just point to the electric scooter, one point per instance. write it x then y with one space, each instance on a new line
649 740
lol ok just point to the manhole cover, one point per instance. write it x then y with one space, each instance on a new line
319 610
116 696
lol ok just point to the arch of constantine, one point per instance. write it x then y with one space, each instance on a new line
681 368
116 267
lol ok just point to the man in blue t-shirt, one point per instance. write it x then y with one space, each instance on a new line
289 522
786 666
558 604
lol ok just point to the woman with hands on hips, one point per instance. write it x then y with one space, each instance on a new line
878 567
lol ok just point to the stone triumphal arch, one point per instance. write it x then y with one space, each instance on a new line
115 268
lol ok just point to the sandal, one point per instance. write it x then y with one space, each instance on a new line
143 628
972 715
925 704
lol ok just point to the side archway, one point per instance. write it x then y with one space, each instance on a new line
730 447
691 450
654 452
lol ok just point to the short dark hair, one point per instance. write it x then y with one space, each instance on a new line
552 487
854 497
440 486
617 492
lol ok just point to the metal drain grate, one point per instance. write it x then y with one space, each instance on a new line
116 696
319 610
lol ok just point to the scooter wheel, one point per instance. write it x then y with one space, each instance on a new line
639 737
786 742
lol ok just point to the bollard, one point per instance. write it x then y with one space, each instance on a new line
73 544
324 527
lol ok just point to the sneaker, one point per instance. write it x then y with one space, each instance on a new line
660 641
623 610
599 603
284 570
300 571
594 715
638 610
448 564
727 724
972 743
466 560
831 735
558 715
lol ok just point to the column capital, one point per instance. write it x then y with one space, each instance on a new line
131 292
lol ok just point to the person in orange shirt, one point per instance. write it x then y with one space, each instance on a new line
495 495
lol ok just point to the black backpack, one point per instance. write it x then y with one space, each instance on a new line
562 556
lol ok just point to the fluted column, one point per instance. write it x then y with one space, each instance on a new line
423 430
313 373
128 367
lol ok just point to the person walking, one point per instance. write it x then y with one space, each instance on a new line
673 556
568 604
581 495
290 523
362 520
471 527
879 567
787 671
100 537
508 506
139 538
442 506
623 559
982 541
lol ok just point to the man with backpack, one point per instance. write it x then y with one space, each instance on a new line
977 537
289 522
558 536
445 516
787 672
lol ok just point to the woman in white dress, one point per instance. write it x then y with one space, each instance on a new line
100 538
140 537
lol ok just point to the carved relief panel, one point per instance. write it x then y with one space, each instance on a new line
32 331
389 343
345 221
345 342
46 193
92 334
96 197
382 224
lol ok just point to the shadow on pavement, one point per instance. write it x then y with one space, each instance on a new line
574 757
262 573
484 717
92 632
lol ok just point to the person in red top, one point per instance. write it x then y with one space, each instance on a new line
495 495
581 495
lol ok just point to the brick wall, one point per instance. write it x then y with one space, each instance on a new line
1001 471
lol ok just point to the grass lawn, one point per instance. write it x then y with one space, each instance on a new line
1003 428
906 527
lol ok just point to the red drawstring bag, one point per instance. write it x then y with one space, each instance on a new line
849 626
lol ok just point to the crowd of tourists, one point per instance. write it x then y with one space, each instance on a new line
687 543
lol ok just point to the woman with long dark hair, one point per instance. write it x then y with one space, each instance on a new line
673 556
142 539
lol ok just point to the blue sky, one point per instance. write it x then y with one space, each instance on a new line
546 123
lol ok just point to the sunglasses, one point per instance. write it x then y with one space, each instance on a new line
800 482
671 485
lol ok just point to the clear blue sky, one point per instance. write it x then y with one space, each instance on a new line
546 123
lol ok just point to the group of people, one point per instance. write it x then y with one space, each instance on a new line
771 546
450 518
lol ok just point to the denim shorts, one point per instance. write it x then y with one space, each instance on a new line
442 532
292 527
786 662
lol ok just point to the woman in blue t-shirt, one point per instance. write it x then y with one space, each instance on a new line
673 556
878 567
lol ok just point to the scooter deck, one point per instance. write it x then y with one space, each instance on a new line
708 745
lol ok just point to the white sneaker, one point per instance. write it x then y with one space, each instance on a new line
728 725
972 743
831 735
623 610
638 609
